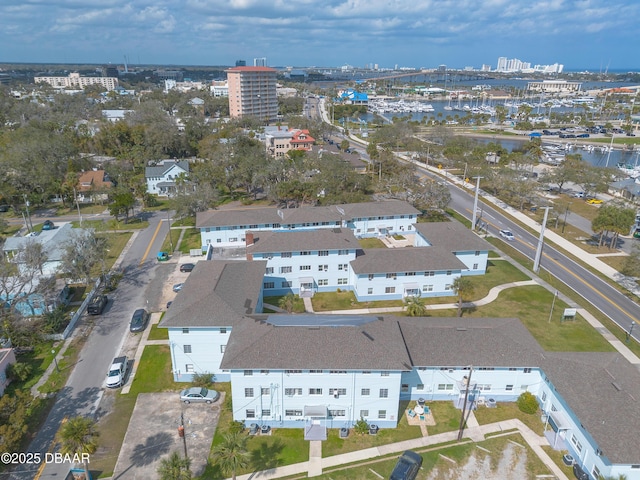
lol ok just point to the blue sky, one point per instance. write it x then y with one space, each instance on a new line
581 34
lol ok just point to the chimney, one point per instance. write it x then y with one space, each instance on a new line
248 239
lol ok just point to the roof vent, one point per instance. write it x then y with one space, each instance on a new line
616 386
461 329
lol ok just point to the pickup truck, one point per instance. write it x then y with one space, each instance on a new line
117 372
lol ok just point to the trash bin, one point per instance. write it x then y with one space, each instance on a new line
344 432
421 402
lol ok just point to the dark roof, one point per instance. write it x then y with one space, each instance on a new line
451 235
163 167
373 345
410 259
321 239
217 293
333 213
603 389
470 341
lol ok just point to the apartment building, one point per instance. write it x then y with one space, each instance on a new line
252 92
74 80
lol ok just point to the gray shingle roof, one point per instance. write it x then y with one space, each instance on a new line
451 235
161 169
321 239
53 241
333 213
410 259
217 293
376 345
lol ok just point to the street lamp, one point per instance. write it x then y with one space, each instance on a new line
536 262
633 324
475 203
53 352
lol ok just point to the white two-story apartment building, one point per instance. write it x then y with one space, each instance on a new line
227 228
161 178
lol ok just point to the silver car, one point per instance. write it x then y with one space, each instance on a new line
199 394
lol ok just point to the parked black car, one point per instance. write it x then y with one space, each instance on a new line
187 267
139 320
407 467
97 304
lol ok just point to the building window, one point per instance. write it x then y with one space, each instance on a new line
343 266
527 370
576 443
391 275
509 388
187 348
268 285
290 392
370 276
384 393
250 413
337 413
323 253
364 413
293 413
447 287
305 253
265 391
305 267
429 274
315 391
477 252
389 289
292 372
223 331
248 373
185 330
266 413
323 268
248 392
188 368
410 274
222 348
365 392
316 372
544 396
337 391
343 252
343 281
264 372
382 414
370 291
234 239
285 269
384 374
286 284
445 386
323 282
596 472
427 288
475 266
285 254
448 272
366 372
404 388
420 386
338 372
269 271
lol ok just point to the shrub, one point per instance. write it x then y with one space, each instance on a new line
527 403
361 427
19 371
236 426
204 379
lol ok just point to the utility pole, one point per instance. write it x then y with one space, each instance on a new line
75 197
536 262
182 434
170 237
566 212
29 224
553 304
475 203
464 405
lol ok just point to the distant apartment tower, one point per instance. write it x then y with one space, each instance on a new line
252 92
241 63
260 62
74 80
110 71
502 64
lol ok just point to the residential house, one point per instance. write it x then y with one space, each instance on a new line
35 297
161 177
280 140
7 358
301 140
93 186
53 244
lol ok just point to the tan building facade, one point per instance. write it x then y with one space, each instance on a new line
75 80
252 92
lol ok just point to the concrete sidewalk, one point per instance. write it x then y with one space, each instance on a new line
317 464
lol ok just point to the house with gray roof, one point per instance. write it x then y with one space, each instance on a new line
161 177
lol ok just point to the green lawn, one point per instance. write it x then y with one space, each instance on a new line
346 300
507 411
298 306
154 373
371 243
158 333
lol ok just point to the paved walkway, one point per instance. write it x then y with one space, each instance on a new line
316 464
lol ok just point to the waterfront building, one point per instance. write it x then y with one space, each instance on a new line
252 92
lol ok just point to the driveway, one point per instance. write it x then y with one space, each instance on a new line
152 435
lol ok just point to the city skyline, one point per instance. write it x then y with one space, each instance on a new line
581 34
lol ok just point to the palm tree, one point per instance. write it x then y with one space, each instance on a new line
287 302
231 454
79 436
463 286
414 306
175 468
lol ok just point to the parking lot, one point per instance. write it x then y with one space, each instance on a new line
152 435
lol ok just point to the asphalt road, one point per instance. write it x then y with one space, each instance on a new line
85 387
